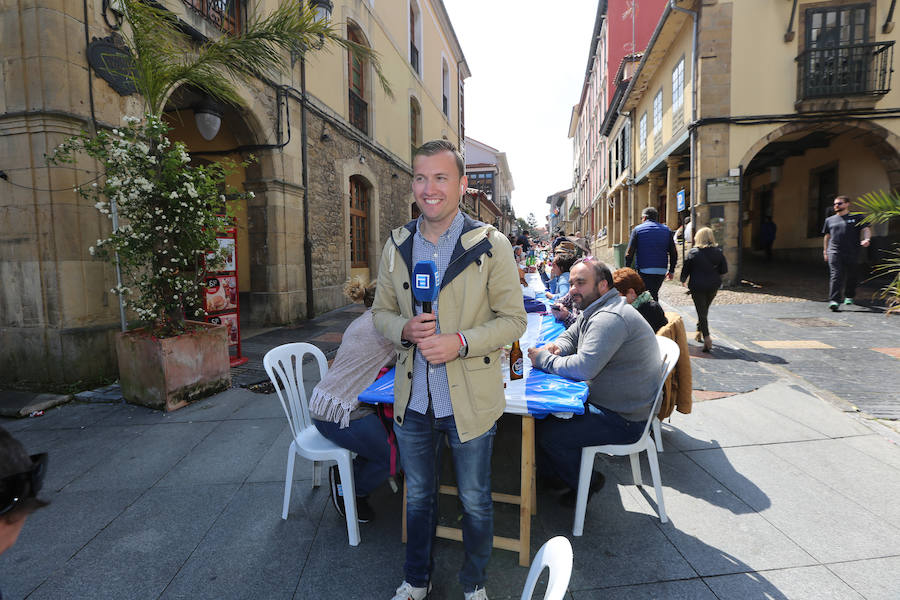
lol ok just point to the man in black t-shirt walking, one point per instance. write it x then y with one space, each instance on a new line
841 249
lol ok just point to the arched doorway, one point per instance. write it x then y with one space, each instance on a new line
793 174
261 298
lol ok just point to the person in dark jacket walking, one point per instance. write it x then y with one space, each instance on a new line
702 270
653 243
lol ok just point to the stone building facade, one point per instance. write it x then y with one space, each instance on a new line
774 109
58 318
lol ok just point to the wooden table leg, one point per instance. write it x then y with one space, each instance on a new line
527 492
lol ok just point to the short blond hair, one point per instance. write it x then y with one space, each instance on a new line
705 238
358 291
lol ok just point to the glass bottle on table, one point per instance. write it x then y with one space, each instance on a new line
516 363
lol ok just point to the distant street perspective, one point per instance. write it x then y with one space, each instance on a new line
449 300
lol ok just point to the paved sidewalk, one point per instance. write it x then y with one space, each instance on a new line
852 357
773 493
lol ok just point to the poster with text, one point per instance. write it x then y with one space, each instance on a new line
221 293
230 320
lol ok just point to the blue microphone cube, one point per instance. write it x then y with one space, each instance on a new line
425 288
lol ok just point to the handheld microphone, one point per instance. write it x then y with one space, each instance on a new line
425 289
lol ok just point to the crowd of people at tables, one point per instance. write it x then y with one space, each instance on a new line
611 318
448 388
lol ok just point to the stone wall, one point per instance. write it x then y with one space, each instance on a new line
714 100
332 161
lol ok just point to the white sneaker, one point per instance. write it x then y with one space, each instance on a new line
407 591
478 594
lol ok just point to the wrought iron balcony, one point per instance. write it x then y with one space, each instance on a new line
226 15
359 112
854 69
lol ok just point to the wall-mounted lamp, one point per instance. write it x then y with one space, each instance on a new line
323 9
208 117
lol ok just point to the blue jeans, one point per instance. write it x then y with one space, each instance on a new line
420 440
560 441
369 439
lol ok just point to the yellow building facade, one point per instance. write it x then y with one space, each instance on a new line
794 104
331 177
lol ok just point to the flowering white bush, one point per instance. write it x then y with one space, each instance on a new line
168 212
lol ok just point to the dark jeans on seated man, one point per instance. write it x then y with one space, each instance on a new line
369 439
560 440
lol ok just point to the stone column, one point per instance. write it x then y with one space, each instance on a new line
672 163
654 183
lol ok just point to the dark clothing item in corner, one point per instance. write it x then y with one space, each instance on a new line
704 267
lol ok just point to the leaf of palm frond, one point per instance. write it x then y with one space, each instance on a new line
879 206
165 57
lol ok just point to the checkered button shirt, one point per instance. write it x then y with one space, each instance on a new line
433 378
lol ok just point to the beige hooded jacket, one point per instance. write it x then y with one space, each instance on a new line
480 296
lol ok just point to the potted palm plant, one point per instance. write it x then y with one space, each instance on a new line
880 207
165 211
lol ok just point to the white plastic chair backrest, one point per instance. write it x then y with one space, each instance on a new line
284 366
556 555
669 352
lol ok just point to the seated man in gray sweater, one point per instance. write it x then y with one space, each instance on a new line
612 348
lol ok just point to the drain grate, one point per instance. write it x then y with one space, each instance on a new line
811 322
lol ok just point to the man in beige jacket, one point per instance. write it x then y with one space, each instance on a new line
448 382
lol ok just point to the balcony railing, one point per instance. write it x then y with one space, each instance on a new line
224 14
359 112
854 69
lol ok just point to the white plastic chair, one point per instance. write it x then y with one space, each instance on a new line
657 433
284 366
668 349
555 555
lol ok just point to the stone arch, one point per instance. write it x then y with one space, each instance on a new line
884 143
250 124
792 141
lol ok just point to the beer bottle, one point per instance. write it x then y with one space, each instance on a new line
516 364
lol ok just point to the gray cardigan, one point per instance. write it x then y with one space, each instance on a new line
612 348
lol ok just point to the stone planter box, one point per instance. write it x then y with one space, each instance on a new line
168 373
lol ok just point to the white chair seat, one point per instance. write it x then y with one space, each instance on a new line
284 366
669 351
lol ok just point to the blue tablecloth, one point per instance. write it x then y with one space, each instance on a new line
538 394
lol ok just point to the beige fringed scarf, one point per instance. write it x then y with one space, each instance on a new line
363 352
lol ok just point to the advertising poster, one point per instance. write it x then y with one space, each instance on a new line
229 319
230 262
221 293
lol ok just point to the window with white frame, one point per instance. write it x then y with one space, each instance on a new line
678 94
642 137
415 37
657 120
445 89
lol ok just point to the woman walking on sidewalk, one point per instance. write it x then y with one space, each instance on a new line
703 269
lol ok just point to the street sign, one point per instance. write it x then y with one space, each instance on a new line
680 198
